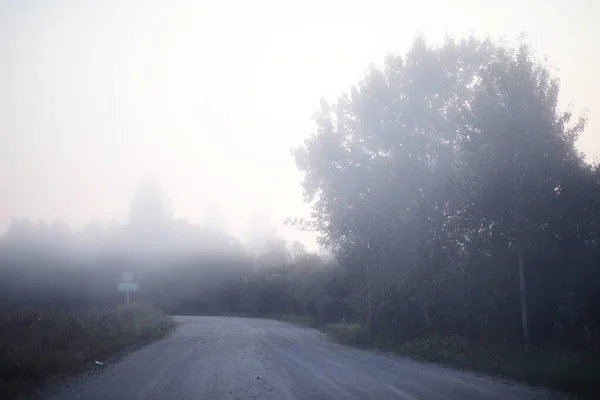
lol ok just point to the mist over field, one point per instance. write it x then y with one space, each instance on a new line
402 175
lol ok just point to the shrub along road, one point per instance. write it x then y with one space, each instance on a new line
244 358
39 343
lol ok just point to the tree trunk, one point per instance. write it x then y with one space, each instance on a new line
523 295
518 232
369 306
427 320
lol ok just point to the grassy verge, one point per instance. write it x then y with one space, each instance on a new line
297 319
38 343
567 371
292 318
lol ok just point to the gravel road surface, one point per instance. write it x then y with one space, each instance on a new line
243 358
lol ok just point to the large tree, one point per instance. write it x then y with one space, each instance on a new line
436 180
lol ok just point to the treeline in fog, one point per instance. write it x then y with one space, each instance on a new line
180 267
446 184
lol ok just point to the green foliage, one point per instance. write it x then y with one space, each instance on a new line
37 342
449 187
440 171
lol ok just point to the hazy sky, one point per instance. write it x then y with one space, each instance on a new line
210 95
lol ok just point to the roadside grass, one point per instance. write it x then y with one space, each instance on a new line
297 319
345 332
291 318
541 366
547 366
36 343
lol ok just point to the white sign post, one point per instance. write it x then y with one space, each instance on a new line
127 285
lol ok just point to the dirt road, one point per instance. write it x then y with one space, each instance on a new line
240 358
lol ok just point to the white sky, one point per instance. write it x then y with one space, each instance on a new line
211 95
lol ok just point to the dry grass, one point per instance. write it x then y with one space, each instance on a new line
36 343
550 366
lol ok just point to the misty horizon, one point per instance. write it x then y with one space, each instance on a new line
204 98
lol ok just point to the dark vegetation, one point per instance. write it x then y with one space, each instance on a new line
464 225
46 341
448 185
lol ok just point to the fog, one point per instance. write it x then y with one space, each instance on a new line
182 266
209 97
421 176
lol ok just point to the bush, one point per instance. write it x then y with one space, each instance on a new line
37 342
